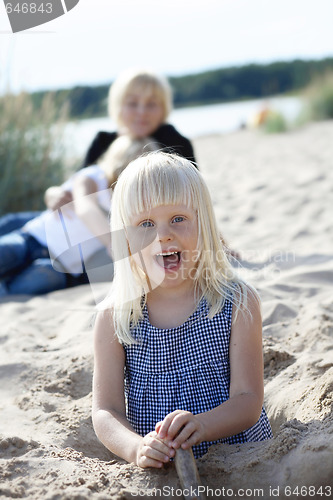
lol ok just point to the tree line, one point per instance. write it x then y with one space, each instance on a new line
220 85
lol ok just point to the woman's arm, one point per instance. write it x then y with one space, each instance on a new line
56 197
108 412
85 203
243 408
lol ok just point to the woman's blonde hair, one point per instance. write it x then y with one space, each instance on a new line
163 179
121 152
145 82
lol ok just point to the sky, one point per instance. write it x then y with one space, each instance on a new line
96 40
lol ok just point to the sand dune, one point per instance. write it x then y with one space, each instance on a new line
273 198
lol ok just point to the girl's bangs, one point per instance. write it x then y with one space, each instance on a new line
158 187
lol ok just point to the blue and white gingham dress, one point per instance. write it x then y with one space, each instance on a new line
182 368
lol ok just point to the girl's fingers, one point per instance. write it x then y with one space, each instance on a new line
153 439
183 435
155 454
163 450
179 421
155 448
145 462
164 428
158 426
191 441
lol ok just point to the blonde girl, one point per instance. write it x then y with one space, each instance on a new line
178 349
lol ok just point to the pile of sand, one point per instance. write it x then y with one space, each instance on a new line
271 195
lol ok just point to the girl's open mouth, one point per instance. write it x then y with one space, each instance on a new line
169 260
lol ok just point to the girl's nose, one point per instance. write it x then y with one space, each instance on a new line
164 233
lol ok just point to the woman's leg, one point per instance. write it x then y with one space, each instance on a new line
14 253
38 278
17 251
13 221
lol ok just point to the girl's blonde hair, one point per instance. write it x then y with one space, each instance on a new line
145 82
121 152
163 179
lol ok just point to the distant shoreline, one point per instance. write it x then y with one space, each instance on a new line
192 122
223 85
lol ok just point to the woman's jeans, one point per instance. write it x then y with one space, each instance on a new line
26 267
13 221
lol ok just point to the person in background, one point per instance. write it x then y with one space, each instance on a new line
65 247
139 102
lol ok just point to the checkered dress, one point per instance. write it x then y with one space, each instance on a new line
182 368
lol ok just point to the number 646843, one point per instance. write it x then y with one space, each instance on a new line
31 8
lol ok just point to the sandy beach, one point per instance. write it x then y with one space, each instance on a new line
273 201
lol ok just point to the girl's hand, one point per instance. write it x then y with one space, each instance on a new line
181 429
153 452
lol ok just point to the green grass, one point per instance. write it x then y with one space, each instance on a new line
318 97
274 123
32 156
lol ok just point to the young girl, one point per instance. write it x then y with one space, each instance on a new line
178 352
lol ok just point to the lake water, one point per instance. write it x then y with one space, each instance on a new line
191 122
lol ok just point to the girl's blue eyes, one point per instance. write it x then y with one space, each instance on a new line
148 223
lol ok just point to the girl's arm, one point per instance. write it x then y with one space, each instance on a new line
109 412
243 408
85 201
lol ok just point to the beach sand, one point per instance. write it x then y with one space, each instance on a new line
273 201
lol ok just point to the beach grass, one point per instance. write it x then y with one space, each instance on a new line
318 98
31 151
275 123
